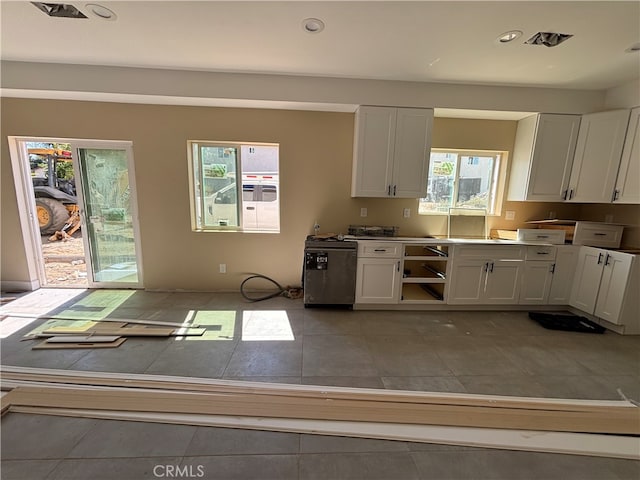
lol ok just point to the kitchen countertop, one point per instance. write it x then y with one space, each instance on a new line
442 241
476 241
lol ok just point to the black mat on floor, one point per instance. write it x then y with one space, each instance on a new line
566 321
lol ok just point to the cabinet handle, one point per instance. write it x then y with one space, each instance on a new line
606 260
542 236
570 194
553 268
380 250
394 190
598 234
616 192
486 267
599 258
389 191
398 266
564 194
491 269
542 253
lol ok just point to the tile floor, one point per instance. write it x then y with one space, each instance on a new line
278 340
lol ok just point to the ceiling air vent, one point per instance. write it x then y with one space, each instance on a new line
59 10
548 39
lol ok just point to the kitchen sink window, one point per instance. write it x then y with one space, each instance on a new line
463 179
218 171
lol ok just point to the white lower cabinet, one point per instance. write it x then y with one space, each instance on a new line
537 274
378 280
467 281
587 280
490 282
378 274
564 270
503 282
486 274
607 285
536 283
613 286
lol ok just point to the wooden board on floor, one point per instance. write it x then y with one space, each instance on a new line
123 332
82 339
61 346
136 321
129 331
606 420
194 384
611 446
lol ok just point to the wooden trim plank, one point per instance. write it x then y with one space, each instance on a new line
82 339
59 346
302 391
130 320
624 421
611 446
128 331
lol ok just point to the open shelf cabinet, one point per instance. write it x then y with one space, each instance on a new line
424 277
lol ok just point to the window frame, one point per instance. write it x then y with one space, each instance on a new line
498 178
197 197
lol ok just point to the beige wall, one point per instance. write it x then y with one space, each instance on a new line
315 163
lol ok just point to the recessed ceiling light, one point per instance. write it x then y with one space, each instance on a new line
63 10
101 12
313 25
633 48
509 36
548 39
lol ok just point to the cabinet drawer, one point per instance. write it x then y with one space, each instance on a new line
379 250
501 252
541 235
597 234
540 253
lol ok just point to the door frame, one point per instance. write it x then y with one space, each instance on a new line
26 203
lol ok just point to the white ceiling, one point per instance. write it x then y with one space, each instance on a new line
424 41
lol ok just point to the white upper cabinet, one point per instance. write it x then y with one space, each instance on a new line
597 157
628 184
391 152
542 157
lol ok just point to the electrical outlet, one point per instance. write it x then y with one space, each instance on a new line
363 212
223 268
509 215
406 213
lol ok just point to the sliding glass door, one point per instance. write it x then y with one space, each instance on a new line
109 215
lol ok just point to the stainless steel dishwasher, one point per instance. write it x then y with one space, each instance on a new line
329 272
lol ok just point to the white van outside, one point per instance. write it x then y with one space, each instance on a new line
260 204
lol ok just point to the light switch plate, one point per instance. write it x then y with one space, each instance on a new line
509 215
363 212
406 213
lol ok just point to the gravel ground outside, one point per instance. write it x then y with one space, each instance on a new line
64 262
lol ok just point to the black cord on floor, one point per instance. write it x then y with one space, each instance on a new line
280 291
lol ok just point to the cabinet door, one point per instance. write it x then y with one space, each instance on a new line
412 147
613 286
373 151
536 283
503 282
378 280
628 182
587 279
563 272
597 157
552 157
467 281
